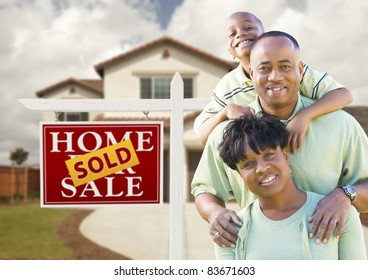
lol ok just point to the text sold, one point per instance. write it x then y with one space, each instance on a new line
101 163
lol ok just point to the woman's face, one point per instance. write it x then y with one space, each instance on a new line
265 174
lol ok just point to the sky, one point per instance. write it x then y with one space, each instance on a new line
46 41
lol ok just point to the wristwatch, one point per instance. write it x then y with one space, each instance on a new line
349 191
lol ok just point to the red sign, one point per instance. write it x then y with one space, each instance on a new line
99 163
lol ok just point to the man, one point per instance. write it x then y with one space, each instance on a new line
235 90
334 152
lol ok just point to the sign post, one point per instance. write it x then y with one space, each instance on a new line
176 174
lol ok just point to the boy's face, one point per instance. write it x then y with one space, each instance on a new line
241 30
265 174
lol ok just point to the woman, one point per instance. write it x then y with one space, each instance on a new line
275 225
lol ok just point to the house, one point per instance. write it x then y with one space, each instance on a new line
146 72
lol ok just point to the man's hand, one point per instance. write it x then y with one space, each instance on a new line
220 219
330 213
221 228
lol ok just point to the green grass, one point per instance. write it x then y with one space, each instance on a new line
29 232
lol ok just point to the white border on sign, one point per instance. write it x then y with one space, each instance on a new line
100 205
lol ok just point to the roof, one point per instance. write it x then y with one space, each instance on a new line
165 40
95 85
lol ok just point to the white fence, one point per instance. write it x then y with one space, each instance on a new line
176 105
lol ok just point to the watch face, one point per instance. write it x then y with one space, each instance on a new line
350 189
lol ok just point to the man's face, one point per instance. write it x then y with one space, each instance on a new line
276 71
241 30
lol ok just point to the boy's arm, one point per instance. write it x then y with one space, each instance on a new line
232 93
331 101
330 96
231 111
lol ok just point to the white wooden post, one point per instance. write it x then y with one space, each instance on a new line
177 105
176 168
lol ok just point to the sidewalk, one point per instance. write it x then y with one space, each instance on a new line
142 232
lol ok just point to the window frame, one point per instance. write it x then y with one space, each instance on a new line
151 80
83 116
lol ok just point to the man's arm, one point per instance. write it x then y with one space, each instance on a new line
213 210
331 211
351 241
361 201
213 184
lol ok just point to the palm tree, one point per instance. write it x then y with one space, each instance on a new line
18 157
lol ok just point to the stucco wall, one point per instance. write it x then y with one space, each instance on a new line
66 93
122 79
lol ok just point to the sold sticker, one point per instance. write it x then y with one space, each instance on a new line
101 163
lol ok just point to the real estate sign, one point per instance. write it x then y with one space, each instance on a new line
100 163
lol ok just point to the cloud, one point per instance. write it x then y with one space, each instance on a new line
332 34
333 39
44 42
202 23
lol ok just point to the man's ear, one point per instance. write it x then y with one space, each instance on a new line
286 153
250 72
301 67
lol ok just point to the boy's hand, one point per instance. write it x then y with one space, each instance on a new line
234 111
297 128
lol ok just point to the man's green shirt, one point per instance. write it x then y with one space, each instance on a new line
334 152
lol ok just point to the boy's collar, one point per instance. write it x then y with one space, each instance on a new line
240 72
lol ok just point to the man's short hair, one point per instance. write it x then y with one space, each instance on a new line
276 34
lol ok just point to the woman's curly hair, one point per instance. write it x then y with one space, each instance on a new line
261 131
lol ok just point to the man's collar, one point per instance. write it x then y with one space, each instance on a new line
300 105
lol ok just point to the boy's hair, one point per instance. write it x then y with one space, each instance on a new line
256 19
260 132
276 34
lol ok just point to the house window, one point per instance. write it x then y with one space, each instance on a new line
188 87
159 87
73 116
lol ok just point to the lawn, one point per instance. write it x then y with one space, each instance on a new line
29 232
